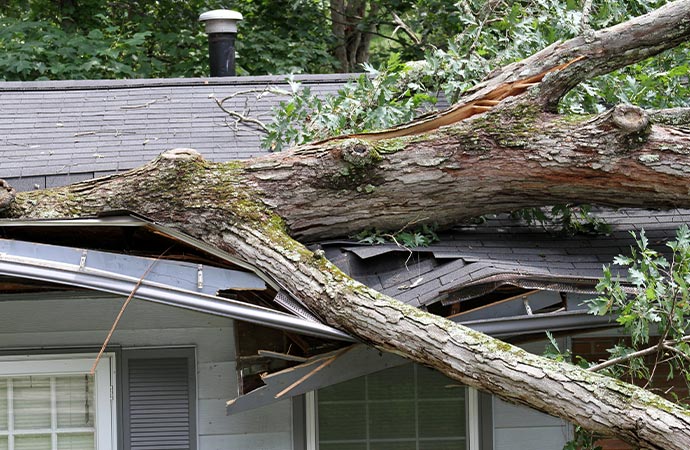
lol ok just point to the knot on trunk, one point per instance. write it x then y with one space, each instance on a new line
360 153
7 195
630 123
181 154
178 161
629 119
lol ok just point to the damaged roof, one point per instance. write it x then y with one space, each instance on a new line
475 260
54 133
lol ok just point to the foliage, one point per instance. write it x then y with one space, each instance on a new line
569 219
553 350
584 440
42 50
91 39
372 101
657 303
282 37
422 236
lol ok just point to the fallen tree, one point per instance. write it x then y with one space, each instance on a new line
501 148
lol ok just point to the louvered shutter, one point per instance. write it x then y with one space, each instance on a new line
158 401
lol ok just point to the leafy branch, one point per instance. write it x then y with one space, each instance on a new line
657 303
421 236
570 219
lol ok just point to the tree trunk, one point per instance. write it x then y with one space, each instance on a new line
352 25
515 155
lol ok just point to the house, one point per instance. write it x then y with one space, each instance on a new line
211 353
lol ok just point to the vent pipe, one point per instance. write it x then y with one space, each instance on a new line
221 28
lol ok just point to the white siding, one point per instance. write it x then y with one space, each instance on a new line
61 321
518 427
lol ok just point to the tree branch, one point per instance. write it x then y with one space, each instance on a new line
604 51
671 116
224 210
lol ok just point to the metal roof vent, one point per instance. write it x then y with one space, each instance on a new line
221 27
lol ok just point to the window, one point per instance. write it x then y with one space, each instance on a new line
404 408
52 403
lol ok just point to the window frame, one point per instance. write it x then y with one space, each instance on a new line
105 416
475 420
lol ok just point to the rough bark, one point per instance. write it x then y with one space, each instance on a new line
212 202
518 154
353 27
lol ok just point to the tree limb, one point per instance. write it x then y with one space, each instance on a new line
221 210
671 116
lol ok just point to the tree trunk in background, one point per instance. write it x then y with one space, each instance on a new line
353 27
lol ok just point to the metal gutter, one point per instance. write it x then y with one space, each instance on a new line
100 279
129 219
556 321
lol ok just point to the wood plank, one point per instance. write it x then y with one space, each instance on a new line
359 360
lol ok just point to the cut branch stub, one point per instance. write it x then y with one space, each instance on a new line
630 119
182 154
7 195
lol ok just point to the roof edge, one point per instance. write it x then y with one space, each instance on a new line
143 83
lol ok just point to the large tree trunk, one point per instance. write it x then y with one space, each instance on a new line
517 154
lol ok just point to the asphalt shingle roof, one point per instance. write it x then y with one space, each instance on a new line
59 132
55 133
473 260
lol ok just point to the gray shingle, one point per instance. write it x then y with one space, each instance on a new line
66 122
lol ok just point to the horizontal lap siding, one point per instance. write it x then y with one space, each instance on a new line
32 323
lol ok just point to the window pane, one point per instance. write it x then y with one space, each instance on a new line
392 420
342 421
3 408
75 401
445 418
31 403
82 441
32 442
405 408
392 384
433 384
3 443
349 390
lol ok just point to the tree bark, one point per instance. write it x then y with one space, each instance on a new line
515 155
353 25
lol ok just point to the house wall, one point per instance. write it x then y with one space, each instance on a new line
54 321
518 427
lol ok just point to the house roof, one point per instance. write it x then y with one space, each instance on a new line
58 132
475 260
